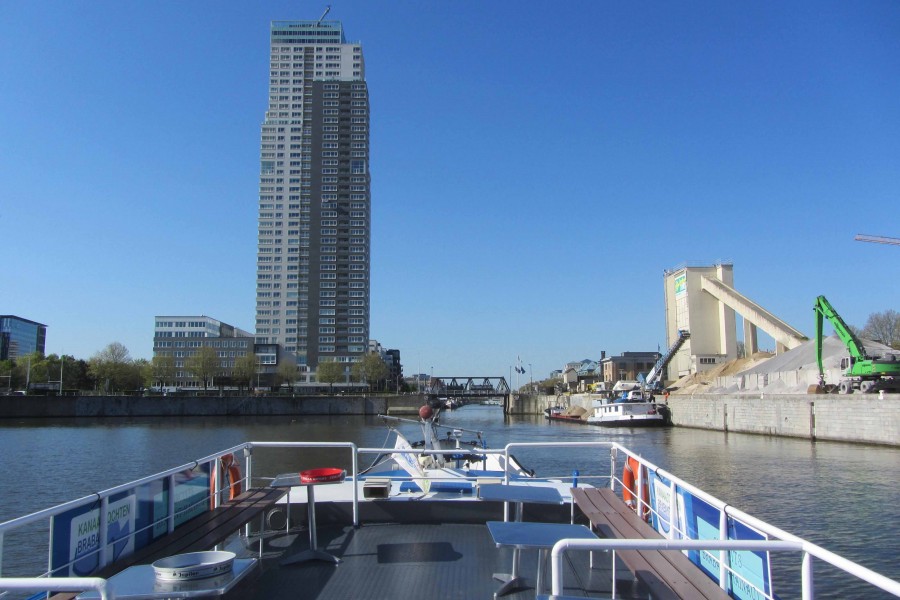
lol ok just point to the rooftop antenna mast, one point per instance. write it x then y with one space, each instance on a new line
327 8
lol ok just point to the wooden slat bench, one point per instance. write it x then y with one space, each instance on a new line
667 574
200 533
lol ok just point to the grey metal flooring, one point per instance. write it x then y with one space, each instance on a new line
420 561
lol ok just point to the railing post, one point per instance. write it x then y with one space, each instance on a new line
217 477
355 465
170 520
806 578
612 468
723 554
104 512
248 466
673 511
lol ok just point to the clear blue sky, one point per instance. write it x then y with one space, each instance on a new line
535 166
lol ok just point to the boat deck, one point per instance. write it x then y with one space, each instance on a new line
385 561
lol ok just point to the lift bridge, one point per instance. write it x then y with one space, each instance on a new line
467 387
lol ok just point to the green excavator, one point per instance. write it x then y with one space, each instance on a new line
862 372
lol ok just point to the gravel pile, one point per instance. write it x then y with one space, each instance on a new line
789 373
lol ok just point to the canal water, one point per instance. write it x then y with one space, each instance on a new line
843 497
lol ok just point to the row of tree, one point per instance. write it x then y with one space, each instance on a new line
114 370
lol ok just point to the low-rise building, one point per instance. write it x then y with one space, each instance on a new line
182 336
628 365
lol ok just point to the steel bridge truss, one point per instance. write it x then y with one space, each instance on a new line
467 386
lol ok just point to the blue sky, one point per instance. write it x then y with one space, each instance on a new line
535 167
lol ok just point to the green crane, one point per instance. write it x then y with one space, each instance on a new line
861 371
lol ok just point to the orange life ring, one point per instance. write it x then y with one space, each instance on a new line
629 488
232 478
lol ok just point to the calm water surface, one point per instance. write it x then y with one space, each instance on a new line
843 497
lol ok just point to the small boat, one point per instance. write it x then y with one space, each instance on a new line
447 455
572 414
631 409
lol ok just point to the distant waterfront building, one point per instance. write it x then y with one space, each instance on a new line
19 337
627 366
312 287
181 336
395 369
391 358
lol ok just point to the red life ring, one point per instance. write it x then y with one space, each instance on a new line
629 488
232 479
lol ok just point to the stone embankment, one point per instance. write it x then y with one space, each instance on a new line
860 418
863 418
20 407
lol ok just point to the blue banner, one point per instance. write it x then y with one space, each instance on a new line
134 519
679 514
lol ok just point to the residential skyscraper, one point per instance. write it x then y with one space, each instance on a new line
312 289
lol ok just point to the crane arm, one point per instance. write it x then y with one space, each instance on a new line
824 310
656 372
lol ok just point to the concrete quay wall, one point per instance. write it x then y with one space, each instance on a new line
862 418
18 407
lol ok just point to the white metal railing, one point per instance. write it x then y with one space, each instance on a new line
784 541
102 498
808 549
56 584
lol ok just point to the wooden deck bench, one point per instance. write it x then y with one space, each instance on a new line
668 574
200 533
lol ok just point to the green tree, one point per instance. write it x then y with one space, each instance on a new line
244 370
7 377
286 372
136 372
30 368
77 376
110 367
371 369
161 371
330 372
204 365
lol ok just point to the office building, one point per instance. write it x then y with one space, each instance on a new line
19 337
181 336
312 289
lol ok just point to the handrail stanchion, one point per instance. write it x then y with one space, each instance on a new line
355 466
807 591
170 520
612 468
723 535
248 466
104 526
217 477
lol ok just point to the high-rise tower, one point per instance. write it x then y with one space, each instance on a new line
312 288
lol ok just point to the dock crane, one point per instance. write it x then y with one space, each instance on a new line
653 381
862 371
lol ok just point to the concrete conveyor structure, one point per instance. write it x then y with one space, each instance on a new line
754 316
